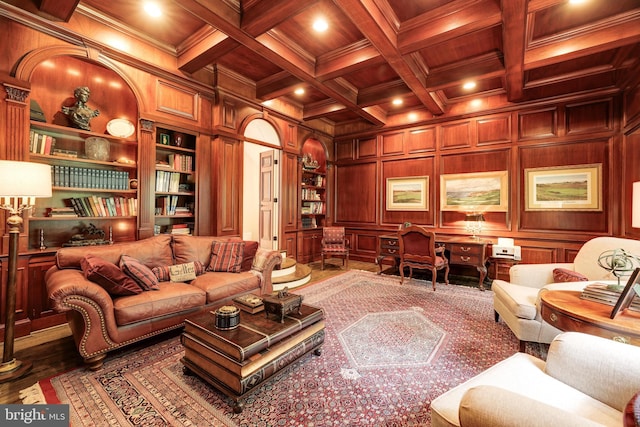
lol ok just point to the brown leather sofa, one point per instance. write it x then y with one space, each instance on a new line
101 322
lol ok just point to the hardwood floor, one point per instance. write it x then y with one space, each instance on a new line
52 351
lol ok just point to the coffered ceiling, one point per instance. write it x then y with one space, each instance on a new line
374 51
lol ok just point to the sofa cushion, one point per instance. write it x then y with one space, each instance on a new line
164 273
226 256
152 252
169 299
250 248
139 272
222 285
192 248
109 276
490 406
566 275
520 300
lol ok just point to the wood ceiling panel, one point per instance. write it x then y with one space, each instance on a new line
421 50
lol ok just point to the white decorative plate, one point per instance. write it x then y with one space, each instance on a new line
121 128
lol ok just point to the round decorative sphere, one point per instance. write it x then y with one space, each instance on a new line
617 261
96 148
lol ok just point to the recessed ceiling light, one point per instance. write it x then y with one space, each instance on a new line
397 101
469 85
152 9
577 1
299 91
320 25
413 117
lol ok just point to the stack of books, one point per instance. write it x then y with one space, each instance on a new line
250 303
62 212
607 294
180 229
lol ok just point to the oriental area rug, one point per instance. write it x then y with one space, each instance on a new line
389 350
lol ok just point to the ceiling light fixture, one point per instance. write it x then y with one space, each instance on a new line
577 1
152 9
320 25
469 85
397 101
299 91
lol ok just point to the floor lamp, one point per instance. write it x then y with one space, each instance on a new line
20 184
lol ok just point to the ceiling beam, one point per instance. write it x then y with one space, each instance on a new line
279 84
261 16
59 9
376 27
513 35
321 109
203 49
354 57
270 47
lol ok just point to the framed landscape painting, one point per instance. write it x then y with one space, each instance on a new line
408 193
478 192
575 188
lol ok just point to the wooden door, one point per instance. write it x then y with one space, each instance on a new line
268 214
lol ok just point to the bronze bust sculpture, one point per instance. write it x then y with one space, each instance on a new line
80 114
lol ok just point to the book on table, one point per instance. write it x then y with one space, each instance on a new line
250 303
254 333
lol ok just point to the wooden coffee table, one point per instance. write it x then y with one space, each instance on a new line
237 361
568 312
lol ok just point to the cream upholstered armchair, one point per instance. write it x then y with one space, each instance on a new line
585 381
517 302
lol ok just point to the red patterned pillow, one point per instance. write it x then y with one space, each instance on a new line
164 273
564 275
139 272
109 276
226 256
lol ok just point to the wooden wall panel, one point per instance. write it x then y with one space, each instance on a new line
229 187
455 135
589 117
632 107
364 243
538 124
545 156
536 255
631 167
392 143
494 130
289 192
355 193
344 150
177 101
407 168
367 148
421 140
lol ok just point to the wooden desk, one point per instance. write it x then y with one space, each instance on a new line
468 252
568 312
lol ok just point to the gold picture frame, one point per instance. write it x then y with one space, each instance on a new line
475 192
408 193
565 188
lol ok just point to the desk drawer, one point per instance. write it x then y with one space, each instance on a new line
461 259
389 242
390 250
466 250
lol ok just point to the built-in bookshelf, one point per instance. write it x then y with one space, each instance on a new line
175 183
89 187
313 199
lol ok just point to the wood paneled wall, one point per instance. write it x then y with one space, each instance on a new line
576 132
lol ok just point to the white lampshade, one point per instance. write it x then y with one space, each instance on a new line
24 179
635 207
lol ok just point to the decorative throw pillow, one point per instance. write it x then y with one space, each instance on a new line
250 248
226 256
164 273
109 276
564 275
139 272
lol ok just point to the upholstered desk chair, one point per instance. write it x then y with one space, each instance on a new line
418 250
335 245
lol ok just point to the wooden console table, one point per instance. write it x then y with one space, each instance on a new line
568 312
468 252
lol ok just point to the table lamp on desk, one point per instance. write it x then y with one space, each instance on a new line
20 184
474 223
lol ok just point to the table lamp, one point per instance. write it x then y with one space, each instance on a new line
473 223
20 184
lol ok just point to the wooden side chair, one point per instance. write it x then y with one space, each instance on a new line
418 250
335 245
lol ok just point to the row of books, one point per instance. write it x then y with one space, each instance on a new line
181 162
77 177
104 206
310 194
168 205
40 143
606 294
182 229
312 208
167 181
